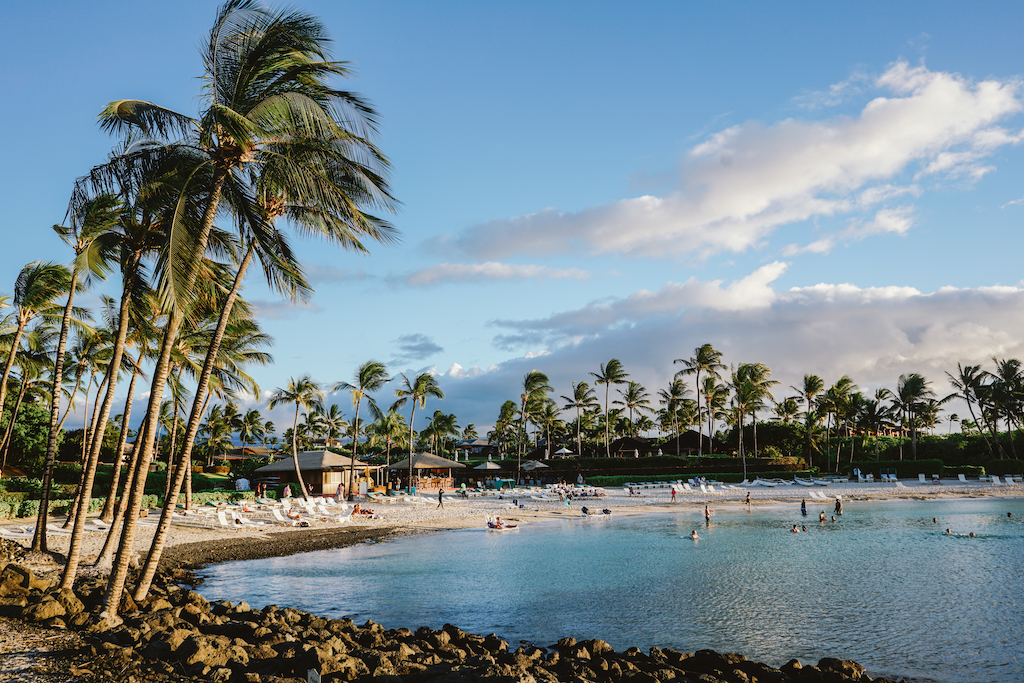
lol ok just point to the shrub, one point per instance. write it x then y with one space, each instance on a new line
1001 467
904 468
33 487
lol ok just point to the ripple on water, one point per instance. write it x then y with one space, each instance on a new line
881 585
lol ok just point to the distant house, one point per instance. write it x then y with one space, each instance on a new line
476 448
632 447
249 452
689 441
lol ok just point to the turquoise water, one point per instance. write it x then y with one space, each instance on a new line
882 585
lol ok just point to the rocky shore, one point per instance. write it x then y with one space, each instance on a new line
176 635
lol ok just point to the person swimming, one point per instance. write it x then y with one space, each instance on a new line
795 530
694 536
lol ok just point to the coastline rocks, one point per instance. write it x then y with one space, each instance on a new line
176 635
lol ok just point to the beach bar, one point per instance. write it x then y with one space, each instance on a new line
430 471
323 471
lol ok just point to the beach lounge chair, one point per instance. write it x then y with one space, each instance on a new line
900 485
961 478
244 521
921 479
995 480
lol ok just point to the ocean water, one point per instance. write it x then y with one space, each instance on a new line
882 585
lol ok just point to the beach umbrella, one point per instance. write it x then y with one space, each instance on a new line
488 466
531 465
563 451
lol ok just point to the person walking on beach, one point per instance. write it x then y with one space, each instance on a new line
673 493
748 500
440 498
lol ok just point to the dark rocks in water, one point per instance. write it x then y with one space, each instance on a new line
175 634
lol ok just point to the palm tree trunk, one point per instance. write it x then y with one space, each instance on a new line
126 549
412 419
117 525
700 423
108 507
198 404
10 423
295 454
10 362
99 428
355 440
39 537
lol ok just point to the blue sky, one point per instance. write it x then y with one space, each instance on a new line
827 189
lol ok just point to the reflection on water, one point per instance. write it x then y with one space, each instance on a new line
882 585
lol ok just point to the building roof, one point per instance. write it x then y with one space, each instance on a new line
313 461
426 461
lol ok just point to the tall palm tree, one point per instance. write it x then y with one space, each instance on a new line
369 377
415 391
267 101
634 398
390 427
250 428
1007 390
535 391
609 374
912 390
709 361
672 398
812 386
304 393
582 399
969 385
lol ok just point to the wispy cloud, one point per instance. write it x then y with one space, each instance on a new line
320 274
744 182
281 310
413 347
1014 202
444 273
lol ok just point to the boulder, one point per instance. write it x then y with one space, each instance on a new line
43 610
15 580
69 601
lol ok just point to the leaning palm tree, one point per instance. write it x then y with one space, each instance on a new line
416 391
304 393
369 377
609 374
709 361
267 94
969 385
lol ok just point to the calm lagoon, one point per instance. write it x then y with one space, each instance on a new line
882 585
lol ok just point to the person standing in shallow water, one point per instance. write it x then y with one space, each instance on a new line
839 506
440 498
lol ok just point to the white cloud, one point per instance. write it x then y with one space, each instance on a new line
444 273
744 182
873 334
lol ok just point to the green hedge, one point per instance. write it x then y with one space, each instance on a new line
966 470
204 497
1001 467
30 508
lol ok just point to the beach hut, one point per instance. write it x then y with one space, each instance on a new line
324 471
431 471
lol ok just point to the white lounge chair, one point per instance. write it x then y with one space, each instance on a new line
921 479
995 480
961 478
900 485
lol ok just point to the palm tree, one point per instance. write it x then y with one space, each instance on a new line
874 415
672 398
333 422
416 391
635 397
969 385
268 102
812 386
609 374
709 361
304 393
250 428
716 396
1007 387
390 427
582 399
369 377
912 390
